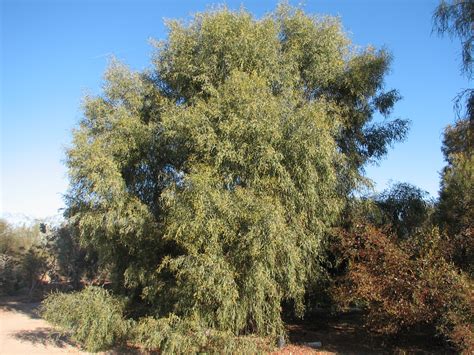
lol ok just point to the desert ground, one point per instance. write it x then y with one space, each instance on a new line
22 331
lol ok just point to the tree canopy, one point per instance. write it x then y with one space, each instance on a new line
405 207
456 206
207 182
456 18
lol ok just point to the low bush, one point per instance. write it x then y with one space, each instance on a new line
173 335
10 274
92 317
95 319
25 257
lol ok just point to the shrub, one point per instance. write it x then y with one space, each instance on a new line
93 317
403 285
75 262
26 256
9 274
174 335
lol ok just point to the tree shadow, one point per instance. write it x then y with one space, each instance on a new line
346 334
44 336
30 309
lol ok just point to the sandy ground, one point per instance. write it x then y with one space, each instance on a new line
23 332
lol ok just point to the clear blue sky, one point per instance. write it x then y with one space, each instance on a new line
52 52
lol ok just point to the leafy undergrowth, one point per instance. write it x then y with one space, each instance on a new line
96 321
92 317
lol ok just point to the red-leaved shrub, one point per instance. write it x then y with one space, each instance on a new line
404 284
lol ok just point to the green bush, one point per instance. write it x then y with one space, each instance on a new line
25 257
9 274
174 335
92 317
95 319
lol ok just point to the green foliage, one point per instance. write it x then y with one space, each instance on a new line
26 256
9 265
96 319
74 262
405 208
456 206
456 17
10 274
17 239
456 202
93 317
35 264
207 183
173 335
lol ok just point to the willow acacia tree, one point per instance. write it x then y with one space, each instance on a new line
207 182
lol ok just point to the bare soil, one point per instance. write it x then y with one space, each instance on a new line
22 331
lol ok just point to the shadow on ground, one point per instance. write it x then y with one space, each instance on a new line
43 336
346 334
19 305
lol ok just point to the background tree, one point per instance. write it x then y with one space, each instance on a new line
404 207
456 201
76 264
26 257
456 18
456 207
208 182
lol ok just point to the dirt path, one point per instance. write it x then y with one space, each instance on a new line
23 332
